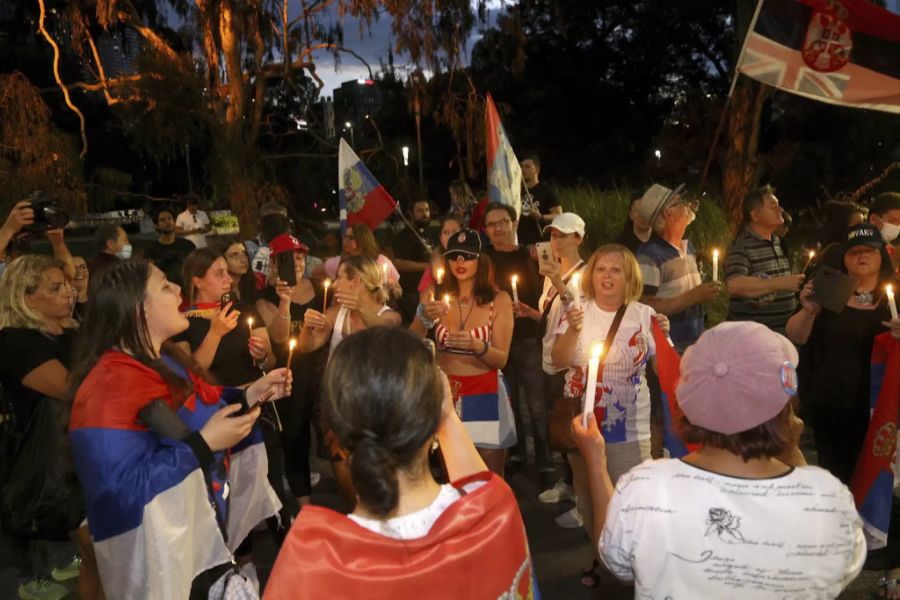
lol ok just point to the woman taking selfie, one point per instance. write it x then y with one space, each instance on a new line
173 470
408 535
472 322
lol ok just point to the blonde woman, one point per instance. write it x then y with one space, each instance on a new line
612 282
359 303
36 333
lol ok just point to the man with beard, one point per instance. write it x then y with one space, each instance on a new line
169 251
412 257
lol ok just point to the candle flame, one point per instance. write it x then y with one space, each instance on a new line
440 275
327 283
515 279
292 344
447 298
596 349
716 253
812 253
576 279
890 289
249 321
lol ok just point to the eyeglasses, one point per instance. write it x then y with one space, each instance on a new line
498 224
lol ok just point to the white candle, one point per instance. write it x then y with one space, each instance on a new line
384 278
439 275
891 303
591 390
515 288
715 265
576 293
250 325
325 298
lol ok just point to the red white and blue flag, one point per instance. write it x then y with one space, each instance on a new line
668 368
504 172
155 522
362 199
873 479
844 52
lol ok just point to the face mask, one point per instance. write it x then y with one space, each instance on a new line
889 232
125 252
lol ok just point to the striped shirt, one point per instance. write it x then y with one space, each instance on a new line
752 256
669 271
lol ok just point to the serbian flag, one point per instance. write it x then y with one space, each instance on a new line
873 479
476 549
844 52
504 172
668 367
155 522
362 198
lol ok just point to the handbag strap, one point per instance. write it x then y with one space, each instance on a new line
613 330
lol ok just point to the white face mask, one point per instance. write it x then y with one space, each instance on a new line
125 252
889 232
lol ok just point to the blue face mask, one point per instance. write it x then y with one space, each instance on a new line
125 252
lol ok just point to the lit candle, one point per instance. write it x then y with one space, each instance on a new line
447 300
439 275
384 278
591 390
576 293
291 345
515 288
250 325
812 254
891 303
325 297
715 265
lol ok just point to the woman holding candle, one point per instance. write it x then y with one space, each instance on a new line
436 272
611 284
472 333
218 336
283 309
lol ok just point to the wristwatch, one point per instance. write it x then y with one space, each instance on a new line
566 297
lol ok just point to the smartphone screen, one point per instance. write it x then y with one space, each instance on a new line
286 271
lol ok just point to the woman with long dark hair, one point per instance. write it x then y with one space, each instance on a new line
173 472
408 535
472 322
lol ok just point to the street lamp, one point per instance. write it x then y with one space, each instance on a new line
657 154
349 125
405 151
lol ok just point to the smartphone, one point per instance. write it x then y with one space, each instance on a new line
286 271
163 421
544 255
226 298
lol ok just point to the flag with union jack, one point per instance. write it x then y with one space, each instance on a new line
844 52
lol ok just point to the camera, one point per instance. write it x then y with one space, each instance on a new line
47 214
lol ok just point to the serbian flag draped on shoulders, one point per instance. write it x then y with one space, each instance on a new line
873 479
362 199
476 549
155 522
844 52
504 172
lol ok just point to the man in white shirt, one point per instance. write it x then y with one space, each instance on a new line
193 224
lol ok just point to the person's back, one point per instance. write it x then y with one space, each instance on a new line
685 532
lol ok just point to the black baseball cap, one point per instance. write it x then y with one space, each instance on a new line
864 234
465 243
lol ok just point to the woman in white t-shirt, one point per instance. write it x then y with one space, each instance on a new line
731 519
611 281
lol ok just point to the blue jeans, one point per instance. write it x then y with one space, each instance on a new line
525 376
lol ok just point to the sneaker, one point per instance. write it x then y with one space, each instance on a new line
42 588
248 570
559 492
314 478
571 519
70 571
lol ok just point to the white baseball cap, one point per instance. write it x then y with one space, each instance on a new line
567 223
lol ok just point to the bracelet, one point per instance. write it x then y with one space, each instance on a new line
420 314
259 363
485 351
566 297
287 318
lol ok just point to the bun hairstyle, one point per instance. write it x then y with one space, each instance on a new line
383 397
369 275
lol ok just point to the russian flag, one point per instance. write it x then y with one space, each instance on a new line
150 512
873 480
362 199
668 367
504 172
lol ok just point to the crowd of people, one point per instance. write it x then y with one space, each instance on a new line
160 404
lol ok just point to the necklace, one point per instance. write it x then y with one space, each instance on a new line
462 322
864 298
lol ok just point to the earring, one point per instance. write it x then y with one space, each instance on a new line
435 445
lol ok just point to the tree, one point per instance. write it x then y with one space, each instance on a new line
209 82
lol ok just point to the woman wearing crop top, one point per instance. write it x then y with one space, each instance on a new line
472 323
